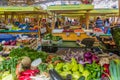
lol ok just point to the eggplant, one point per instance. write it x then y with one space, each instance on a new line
54 75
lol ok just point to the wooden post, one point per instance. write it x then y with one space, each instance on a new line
6 18
114 20
40 24
53 21
87 20
81 20
12 17
119 7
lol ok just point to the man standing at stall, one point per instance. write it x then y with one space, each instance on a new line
99 23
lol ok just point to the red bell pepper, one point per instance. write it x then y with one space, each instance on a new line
106 70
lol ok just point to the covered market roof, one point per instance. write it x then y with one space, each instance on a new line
46 3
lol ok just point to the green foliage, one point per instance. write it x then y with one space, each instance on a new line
1 48
33 54
9 65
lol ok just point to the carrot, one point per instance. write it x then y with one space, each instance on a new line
58 61
50 56
18 69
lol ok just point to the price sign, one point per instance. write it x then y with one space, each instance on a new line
67 33
78 33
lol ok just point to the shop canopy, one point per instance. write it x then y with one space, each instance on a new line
78 10
19 10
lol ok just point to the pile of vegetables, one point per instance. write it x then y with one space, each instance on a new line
95 71
20 64
51 37
77 70
81 57
26 63
115 31
31 53
53 59
114 70
11 42
1 48
8 68
88 42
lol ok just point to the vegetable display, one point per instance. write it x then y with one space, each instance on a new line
95 71
51 37
27 64
73 68
1 48
116 35
114 70
21 52
9 66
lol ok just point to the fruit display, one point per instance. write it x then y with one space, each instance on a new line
97 30
11 42
78 31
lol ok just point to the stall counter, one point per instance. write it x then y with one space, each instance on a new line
71 36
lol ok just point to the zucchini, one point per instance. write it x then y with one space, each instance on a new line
54 75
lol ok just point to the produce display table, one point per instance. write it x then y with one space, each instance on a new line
52 48
106 36
72 36
65 44
19 32
6 37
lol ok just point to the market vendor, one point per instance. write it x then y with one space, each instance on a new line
2 25
99 23
57 23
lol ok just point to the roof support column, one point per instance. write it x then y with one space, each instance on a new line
6 18
119 7
87 15
53 21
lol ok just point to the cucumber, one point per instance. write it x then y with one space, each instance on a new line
54 75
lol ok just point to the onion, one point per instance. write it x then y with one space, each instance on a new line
87 55
90 61
95 58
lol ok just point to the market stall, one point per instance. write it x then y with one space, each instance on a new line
31 48
21 15
68 10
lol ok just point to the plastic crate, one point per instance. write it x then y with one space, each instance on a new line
57 42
